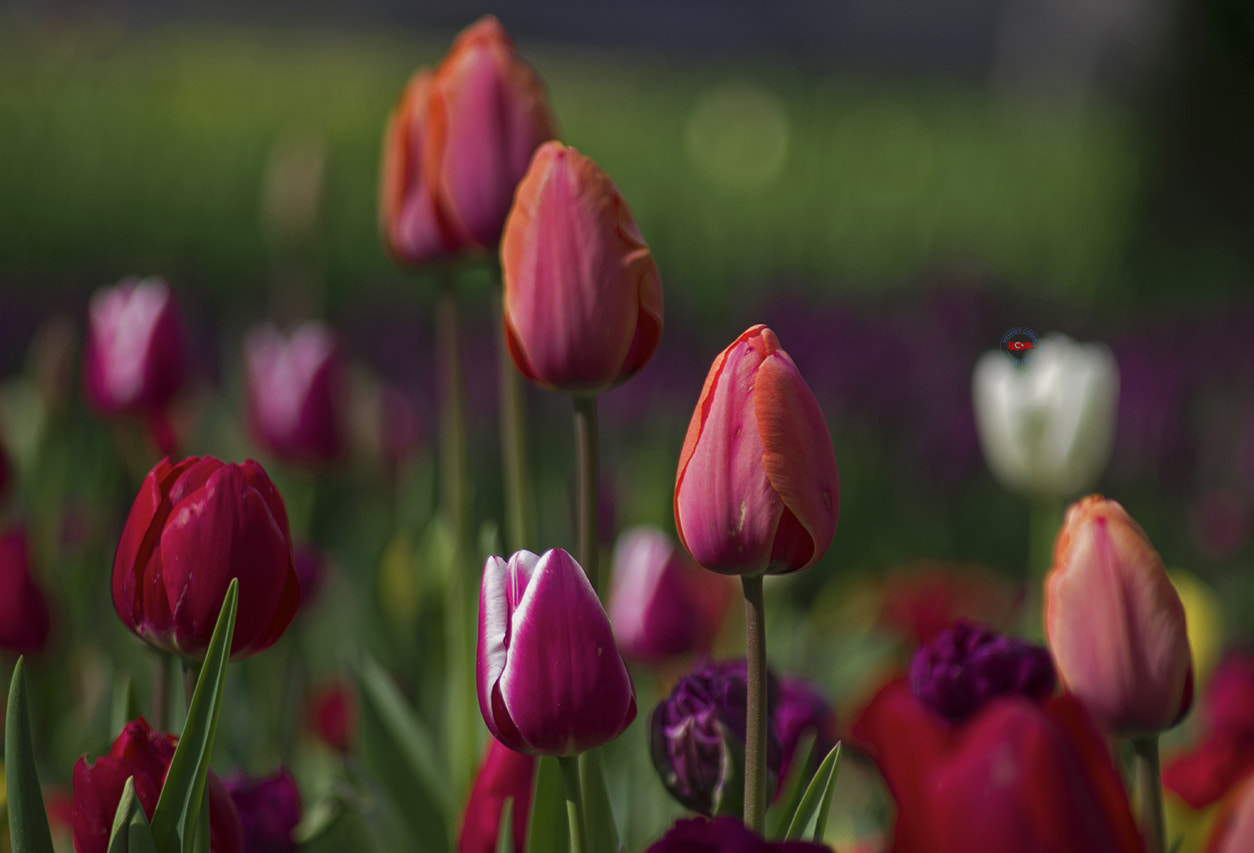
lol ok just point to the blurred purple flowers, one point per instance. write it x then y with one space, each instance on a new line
269 809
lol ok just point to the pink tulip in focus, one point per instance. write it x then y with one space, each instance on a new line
136 351
757 489
661 603
551 680
24 617
1115 623
296 392
505 775
583 300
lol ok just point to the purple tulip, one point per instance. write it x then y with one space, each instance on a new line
296 392
963 668
269 809
551 680
802 708
725 835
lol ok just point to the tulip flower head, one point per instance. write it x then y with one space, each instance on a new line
1115 623
551 680
757 489
583 299
1047 426
25 620
194 526
504 775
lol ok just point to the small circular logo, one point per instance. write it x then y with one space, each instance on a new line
1019 345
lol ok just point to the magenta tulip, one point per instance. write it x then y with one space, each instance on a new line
296 392
136 352
24 617
551 680
193 527
757 489
583 300
1115 623
504 775
269 810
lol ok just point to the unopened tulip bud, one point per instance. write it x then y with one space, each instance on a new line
551 680
1115 623
583 300
757 489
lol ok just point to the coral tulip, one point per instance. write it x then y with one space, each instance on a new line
194 526
505 775
24 617
757 489
1115 623
551 680
583 300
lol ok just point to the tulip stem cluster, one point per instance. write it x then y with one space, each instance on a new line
1150 789
589 474
755 728
574 803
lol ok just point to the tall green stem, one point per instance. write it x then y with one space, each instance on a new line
1149 785
755 726
589 474
574 803
519 517
1043 522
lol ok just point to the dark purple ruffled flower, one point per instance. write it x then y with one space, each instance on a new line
802 708
269 809
962 668
725 835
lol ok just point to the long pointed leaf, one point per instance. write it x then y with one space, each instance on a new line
179 804
548 829
817 798
28 822
139 836
505 827
794 785
602 834
122 818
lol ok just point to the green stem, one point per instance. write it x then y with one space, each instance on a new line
453 462
162 661
1044 519
586 440
574 802
755 725
519 517
1150 790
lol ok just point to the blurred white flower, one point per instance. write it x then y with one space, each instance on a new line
1046 427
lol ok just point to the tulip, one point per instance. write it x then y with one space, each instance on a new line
1233 830
141 753
296 391
25 620
194 526
505 775
757 489
801 707
725 835
331 715
136 350
457 144
269 809
1115 623
1204 774
661 604
1047 426
551 680
583 300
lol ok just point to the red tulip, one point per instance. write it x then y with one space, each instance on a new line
1115 623
331 714
144 754
24 617
505 775
757 489
193 527
583 300
551 680
457 145
1203 775
136 351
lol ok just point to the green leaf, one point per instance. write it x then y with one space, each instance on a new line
124 707
28 822
400 752
179 805
787 810
598 817
505 828
548 830
139 836
817 799
130 832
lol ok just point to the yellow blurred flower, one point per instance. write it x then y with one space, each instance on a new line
1204 619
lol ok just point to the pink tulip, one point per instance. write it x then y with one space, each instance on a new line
1115 623
583 300
296 392
505 775
551 680
1233 830
136 352
661 604
757 489
24 617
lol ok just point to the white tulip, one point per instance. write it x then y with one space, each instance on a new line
1047 426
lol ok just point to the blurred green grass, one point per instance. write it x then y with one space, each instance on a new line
135 152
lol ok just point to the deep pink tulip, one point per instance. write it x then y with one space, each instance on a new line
1115 623
24 617
724 835
193 527
661 604
136 352
504 775
757 489
296 392
583 300
551 680
457 145
144 754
